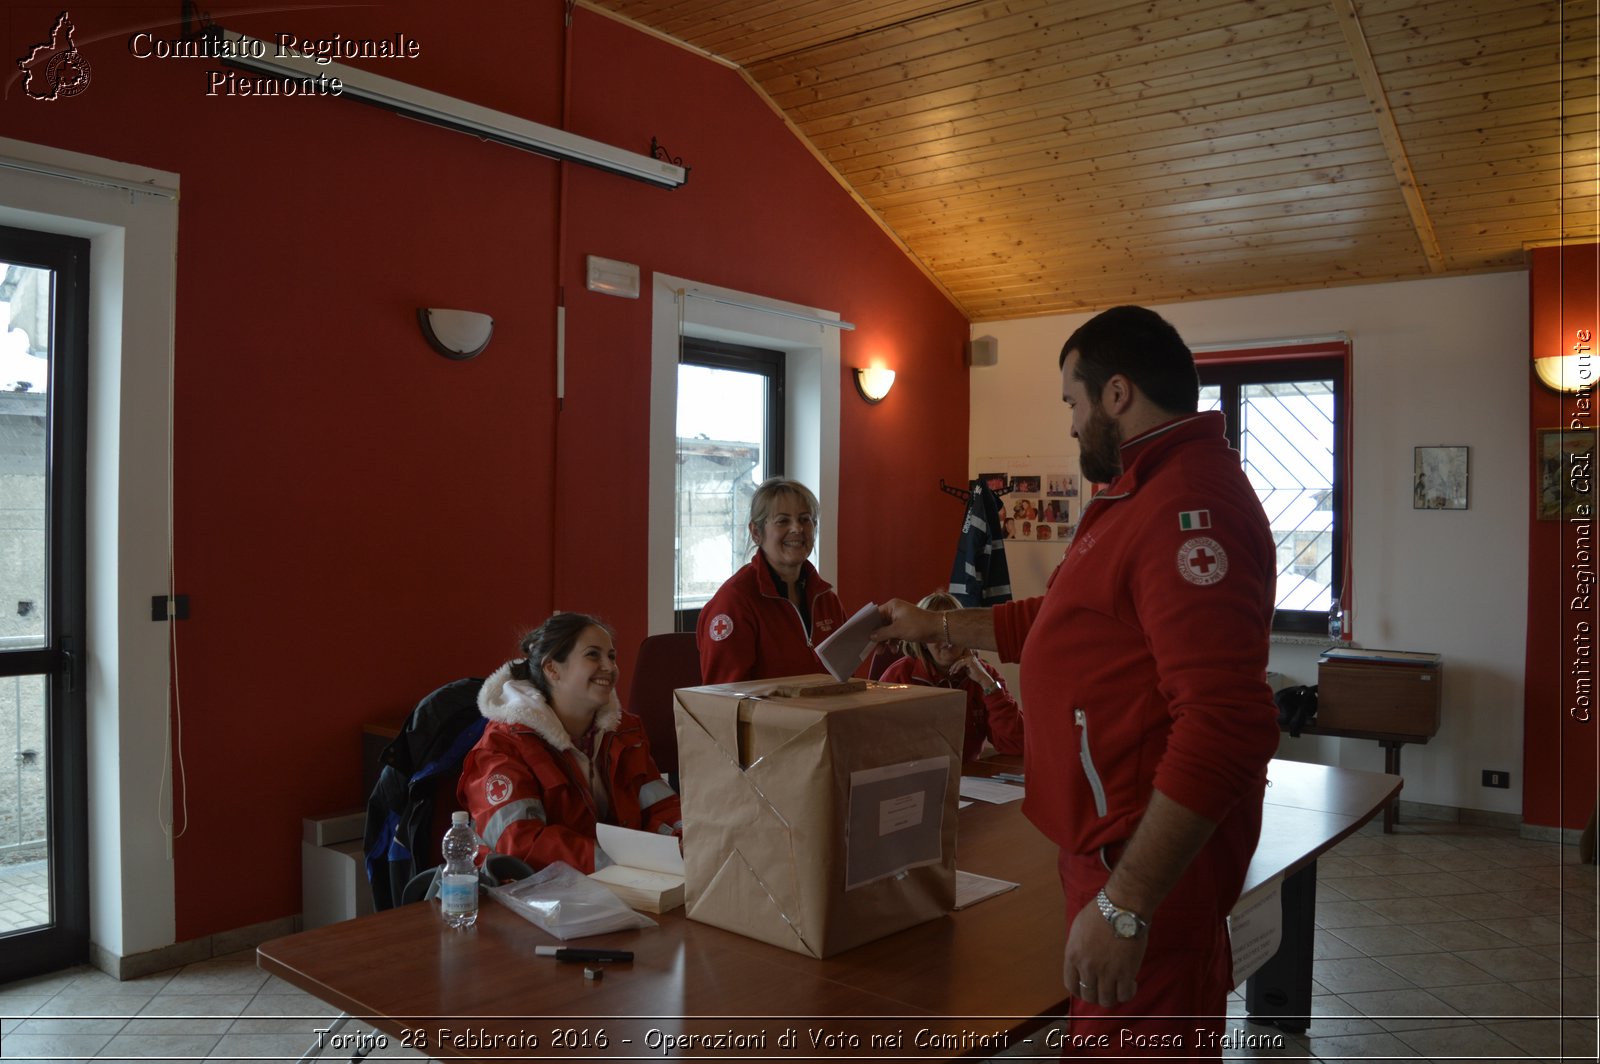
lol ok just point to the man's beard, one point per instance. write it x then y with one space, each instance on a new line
1100 447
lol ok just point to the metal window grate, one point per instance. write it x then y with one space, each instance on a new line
1286 442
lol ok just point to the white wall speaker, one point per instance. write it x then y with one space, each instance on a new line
983 351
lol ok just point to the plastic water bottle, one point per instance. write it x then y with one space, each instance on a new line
1335 622
458 880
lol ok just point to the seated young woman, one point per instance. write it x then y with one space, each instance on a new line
559 753
992 713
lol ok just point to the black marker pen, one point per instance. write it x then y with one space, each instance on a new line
562 953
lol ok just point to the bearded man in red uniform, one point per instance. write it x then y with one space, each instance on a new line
1150 722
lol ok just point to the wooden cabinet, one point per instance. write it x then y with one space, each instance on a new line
1381 697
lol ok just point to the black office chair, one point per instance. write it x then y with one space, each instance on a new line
410 805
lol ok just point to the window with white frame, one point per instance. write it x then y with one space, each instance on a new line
1286 417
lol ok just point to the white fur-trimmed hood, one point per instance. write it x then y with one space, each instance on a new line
512 701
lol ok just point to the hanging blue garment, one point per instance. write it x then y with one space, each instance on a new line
980 576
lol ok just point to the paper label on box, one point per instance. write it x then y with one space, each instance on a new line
900 813
890 828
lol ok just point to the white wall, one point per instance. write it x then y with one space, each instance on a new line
1435 362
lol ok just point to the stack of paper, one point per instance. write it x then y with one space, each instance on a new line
648 870
1425 659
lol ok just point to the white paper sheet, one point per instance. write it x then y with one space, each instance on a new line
972 888
1255 928
640 849
984 789
844 650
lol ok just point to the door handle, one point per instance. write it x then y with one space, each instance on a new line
68 667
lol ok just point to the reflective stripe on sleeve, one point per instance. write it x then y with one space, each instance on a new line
508 814
653 792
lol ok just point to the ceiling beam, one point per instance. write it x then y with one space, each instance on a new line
1367 71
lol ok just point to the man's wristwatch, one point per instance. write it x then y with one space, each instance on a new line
1124 922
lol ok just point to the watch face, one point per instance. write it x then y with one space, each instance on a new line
1126 925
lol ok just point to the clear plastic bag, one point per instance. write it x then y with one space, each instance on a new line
568 904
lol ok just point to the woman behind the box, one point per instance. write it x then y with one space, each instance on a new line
991 711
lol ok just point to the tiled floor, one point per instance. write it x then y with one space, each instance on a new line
24 895
1440 942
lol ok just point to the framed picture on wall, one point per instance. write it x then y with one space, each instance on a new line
1565 474
1439 478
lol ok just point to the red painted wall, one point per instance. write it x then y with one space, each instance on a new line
1559 739
359 520
757 214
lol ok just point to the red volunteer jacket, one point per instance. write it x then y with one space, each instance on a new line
994 717
1144 663
528 788
750 632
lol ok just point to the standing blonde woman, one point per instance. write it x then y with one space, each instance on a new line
765 619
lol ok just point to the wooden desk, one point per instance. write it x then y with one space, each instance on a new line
1391 743
1308 810
974 981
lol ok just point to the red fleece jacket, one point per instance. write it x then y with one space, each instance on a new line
748 631
1144 662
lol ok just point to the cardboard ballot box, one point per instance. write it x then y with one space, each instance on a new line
819 815
1382 691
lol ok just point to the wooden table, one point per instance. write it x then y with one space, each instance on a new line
1391 742
972 982
1308 810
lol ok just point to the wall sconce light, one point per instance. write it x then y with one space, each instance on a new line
1569 374
1572 372
455 334
874 383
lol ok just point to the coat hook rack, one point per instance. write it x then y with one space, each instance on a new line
965 494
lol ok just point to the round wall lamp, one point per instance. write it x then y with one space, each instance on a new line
455 334
1568 374
874 383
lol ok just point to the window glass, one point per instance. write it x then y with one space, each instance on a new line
730 433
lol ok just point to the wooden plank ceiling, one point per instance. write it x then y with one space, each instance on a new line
1042 156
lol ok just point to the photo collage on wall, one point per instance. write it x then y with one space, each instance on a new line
1044 504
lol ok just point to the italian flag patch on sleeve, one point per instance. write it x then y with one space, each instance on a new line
1190 520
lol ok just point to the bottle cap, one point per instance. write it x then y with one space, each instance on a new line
458 817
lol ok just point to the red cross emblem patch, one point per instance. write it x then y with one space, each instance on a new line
721 627
1202 561
497 788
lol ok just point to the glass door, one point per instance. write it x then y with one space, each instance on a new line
44 898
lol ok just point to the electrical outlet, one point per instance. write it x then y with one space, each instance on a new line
1491 778
175 608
